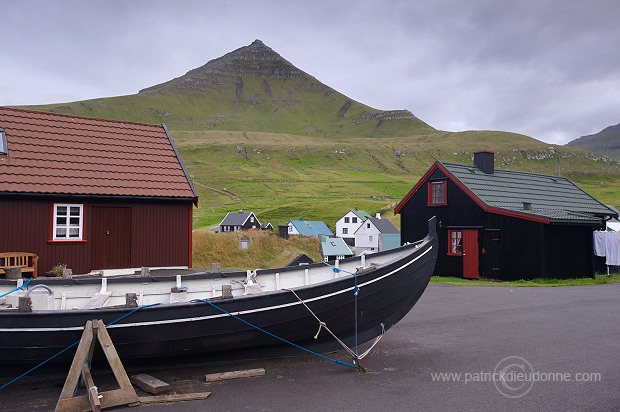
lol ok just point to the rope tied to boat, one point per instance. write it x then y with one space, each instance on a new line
354 354
25 284
71 346
356 289
339 362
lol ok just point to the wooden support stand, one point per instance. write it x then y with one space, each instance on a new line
95 400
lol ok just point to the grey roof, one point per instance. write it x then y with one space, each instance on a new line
236 218
383 225
553 197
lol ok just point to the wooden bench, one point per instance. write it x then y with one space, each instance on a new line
27 261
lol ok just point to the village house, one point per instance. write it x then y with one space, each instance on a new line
237 221
334 248
93 194
308 228
376 235
349 223
503 224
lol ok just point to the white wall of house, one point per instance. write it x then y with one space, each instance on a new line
292 230
367 238
347 225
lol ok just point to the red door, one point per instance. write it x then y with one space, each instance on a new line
111 238
470 254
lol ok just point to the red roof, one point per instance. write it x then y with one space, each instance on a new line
52 153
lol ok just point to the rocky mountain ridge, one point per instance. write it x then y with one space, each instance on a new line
607 142
252 88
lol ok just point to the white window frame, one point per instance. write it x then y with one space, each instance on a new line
67 225
4 150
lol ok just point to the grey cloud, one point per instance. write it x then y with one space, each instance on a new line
547 69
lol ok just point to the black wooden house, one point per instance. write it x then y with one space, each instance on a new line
504 224
237 221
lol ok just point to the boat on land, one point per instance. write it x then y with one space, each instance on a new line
355 299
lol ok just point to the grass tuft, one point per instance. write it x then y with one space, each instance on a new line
266 249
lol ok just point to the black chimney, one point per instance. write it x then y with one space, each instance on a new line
485 161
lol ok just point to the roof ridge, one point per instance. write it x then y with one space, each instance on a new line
472 166
69 116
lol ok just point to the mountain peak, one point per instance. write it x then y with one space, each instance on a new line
255 60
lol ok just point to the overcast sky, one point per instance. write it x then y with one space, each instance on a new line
549 69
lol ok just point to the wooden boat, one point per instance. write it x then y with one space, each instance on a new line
357 298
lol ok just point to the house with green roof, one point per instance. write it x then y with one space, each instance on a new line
334 248
349 223
504 224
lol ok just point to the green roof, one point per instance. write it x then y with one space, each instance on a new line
334 246
361 214
552 197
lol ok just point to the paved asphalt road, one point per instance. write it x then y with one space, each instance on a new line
554 337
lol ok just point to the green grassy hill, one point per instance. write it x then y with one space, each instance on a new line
258 134
281 177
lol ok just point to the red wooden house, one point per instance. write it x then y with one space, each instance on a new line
93 194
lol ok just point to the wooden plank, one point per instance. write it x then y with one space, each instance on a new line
97 300
149 383
90 385
78 360
247 373
109 399
179 397
115 362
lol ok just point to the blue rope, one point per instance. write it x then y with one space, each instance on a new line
275 336
69 347
18 288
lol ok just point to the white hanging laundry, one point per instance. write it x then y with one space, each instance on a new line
599 243
612 249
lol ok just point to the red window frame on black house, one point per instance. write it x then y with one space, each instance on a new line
438 193
455 242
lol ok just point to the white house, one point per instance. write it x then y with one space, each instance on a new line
349 223
376 235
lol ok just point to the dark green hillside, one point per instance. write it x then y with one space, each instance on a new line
250 89
282 177
607 142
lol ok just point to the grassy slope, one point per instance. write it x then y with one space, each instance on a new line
281 177
266 250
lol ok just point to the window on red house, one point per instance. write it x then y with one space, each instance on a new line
437 194
68 222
